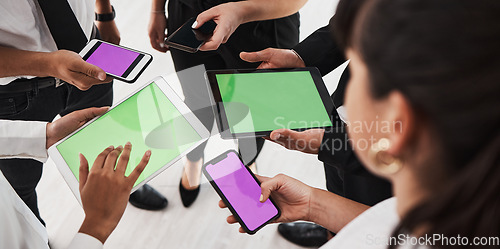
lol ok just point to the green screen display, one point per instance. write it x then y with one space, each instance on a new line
274 100
148 120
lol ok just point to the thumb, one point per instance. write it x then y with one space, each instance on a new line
269 186
258 56
92 71
84 171
284 134
90 113
203 17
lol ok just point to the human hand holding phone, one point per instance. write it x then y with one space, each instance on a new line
71 68
105 190
227 17
291 195
240 191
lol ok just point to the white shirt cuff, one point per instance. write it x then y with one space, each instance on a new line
23 139
85 241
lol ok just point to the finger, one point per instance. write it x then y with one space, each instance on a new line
85 82
84 171
110 162
222 204
140 167
90 70
231 219
241 230
121 167
88 114
217 38
204 17
262 178
258 56
99 161
267 187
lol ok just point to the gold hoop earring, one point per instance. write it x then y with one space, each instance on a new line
385 163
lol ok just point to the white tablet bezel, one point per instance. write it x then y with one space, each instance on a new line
70 178
133 75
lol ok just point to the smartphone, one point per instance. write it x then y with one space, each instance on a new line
190 40
240 190
119 62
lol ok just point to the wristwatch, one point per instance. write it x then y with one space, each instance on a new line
106 17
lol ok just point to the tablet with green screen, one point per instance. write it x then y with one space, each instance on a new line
253 102
152 118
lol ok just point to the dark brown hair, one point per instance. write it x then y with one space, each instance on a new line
444 56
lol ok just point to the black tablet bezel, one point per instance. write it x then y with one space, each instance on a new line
219 111
224 199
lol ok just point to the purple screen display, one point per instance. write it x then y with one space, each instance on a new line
111 59
242 191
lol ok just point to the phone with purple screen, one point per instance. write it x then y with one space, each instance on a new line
118 62
240 190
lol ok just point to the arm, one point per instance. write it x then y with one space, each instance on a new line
229 16
108 30
30 139
62 64
318 50
299 201
158 26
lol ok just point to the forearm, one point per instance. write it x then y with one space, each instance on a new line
258 10
158 5
332 211
15 62
103 6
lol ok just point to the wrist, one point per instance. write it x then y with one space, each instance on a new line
315 207
97 229
299 59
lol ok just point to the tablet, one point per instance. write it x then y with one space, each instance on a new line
254 102
152 118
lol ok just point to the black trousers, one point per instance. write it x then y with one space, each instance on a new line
280 33
43 105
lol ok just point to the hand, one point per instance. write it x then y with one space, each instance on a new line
291 195
70 67
71 122
109 32
308 141
274 58
227 18
157 26
105 190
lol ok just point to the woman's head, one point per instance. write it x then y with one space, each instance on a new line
430 71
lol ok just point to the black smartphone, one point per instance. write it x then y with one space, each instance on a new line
188 39
240 190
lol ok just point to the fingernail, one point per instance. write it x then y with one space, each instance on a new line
194 24
162 45
102 76
261 198
111 147
148 153
119 147
276 136
128 144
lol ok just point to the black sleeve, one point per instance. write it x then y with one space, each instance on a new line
336 150
320 50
